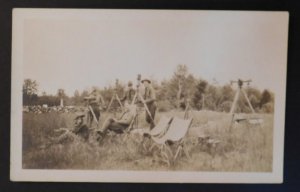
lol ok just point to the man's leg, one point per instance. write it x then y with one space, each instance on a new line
152 110
106 124
96 112
67 136
117 127
90 119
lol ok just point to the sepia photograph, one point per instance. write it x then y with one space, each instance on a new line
179 96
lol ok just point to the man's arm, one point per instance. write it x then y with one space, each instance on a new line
152 96
126 118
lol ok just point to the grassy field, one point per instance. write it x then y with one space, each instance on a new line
241 148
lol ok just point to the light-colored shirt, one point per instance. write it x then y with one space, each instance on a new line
149 95
127 117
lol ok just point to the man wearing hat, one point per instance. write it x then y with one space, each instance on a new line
80 131
129 93
80 128
150 100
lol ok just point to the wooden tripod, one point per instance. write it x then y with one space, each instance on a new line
237 96
114 97
92 111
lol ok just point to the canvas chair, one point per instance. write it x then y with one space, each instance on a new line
127 131
158 131
160 128
175 134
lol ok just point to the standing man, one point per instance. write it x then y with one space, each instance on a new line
129 94
96 101
150 100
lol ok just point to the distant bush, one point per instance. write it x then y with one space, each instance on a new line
225 106
268 107
164 106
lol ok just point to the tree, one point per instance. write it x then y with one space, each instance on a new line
199 94
180 86
215 97
254 96
179 77
265 97
30 88
76 98
226 98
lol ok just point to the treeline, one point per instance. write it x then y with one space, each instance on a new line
173 93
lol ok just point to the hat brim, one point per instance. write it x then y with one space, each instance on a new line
79 116
146 80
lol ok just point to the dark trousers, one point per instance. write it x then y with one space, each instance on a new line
114 126
152 109
96 112
117 127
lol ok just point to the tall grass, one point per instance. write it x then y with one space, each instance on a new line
241 148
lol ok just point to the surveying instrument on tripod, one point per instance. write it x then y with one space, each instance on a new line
237 95
253 120
139 98
115 97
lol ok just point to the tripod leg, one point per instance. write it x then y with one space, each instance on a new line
109 105
236 98
146 108
248 101
134 98
119 101
92 111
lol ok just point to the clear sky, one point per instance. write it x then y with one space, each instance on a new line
93 48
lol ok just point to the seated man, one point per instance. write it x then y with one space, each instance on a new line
120 124
80 131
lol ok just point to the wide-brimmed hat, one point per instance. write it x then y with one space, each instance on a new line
146 80
79 115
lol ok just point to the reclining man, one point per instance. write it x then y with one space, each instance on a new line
120 124
80 131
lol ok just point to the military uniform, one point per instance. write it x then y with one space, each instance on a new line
95 102
150 100
80 130
128 95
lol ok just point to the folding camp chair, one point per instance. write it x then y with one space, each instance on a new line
158 131
175 134
160 128
130 127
